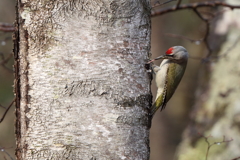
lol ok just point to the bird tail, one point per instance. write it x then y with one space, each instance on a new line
155 107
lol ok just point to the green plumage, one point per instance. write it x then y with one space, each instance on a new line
173 75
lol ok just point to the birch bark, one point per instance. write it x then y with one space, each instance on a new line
81 86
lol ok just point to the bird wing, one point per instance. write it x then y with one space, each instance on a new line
161 101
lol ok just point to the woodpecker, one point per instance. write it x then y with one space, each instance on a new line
168 75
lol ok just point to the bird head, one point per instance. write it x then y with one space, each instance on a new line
177 54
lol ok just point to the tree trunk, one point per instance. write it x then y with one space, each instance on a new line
81 86
215 117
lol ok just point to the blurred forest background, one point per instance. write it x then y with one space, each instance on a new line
7 136
167 126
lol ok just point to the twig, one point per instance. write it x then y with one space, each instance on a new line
2 24
3 150
5 113
215 143
2 106
192 6
4 61
228 50
207 21
178 3
197 42
157 3
6 27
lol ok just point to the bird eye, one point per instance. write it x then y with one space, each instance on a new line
169 55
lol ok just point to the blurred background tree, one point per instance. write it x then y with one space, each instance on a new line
7 137
209 89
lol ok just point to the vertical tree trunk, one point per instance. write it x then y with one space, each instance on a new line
216 112
81 86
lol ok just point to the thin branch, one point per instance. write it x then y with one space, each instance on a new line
206 40
228 50
213 15
6 27
5 113
7 69
3 24
4 61
207 21
199 14
192 6
157 3
2 106
3 150
197 42
178 3
215 143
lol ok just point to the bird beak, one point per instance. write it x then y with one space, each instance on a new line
161 57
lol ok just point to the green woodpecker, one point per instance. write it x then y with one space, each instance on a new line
168 75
